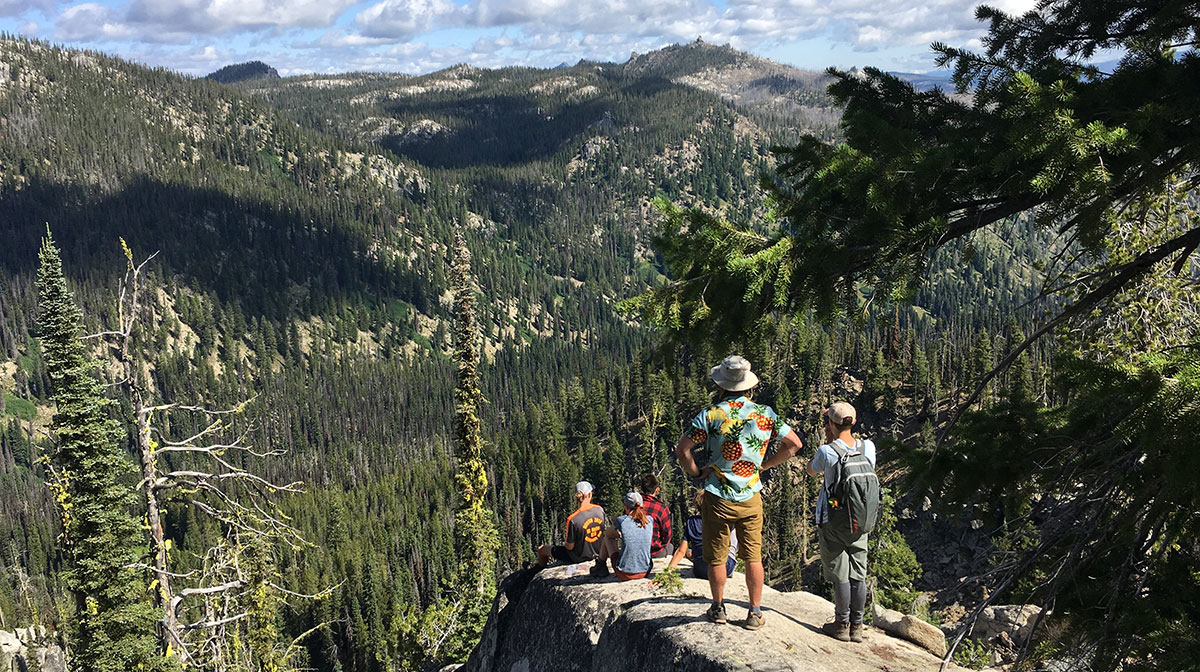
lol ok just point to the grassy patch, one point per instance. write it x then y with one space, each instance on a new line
19 407
398 312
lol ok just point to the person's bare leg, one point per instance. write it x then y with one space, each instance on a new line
716 582
754 581
611 550
543 555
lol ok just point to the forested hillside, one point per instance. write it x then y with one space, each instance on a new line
303 229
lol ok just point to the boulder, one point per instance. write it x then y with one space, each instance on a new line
1014 619
909 627
563 619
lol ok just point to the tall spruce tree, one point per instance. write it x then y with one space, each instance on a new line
474 524
475 532
112 629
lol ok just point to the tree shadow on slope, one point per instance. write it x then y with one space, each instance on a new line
271 259
507 130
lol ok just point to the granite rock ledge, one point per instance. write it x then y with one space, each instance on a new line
563 619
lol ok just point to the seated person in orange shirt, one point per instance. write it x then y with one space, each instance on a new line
585 532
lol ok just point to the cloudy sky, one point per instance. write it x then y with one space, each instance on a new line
417 36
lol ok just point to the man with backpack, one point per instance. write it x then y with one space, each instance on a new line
847 509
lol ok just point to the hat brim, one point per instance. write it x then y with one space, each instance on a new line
751 380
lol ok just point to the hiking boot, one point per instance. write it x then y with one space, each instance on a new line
856 633
599 570
754 621
716 613
838 630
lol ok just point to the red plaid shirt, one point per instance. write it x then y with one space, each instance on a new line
662 523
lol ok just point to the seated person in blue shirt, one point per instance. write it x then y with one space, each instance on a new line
633 532
693 539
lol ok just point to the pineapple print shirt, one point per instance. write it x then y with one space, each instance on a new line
736 435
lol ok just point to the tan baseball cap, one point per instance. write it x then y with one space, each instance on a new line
841 413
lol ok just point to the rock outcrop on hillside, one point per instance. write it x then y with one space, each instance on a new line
563 619
30 649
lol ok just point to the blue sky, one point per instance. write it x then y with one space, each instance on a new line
417 36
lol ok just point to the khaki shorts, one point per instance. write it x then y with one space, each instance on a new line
719 516
842 557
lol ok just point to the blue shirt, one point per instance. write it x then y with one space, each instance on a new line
635 545
736 435
826 459
693 531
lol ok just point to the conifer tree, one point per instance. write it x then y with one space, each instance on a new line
474 521
113 625
475 532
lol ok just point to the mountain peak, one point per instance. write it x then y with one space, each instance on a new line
240 72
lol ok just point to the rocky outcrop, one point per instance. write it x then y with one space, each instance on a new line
563 619
1014 620
30 649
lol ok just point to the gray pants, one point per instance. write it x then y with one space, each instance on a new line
844 564
842 557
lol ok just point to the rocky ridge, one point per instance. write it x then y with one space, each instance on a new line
563 619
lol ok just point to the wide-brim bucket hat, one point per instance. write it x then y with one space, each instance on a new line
733 374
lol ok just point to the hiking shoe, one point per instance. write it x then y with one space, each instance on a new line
716 613
599 570
754 621
856 633
838 630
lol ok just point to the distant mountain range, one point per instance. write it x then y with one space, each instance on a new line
925 81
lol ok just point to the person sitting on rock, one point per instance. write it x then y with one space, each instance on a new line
843 551
585 531
627 542
692 546
660 546
736 435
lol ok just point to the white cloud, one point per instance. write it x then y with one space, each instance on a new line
89 21
339 39
404 19
21 7
629 17
218 16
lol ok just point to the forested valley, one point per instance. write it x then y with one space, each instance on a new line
299 236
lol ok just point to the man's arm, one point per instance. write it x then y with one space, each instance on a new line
683 453
791 444
680 554
812 467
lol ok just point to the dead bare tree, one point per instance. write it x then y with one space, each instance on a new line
203 471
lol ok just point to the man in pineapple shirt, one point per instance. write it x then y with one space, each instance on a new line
736 435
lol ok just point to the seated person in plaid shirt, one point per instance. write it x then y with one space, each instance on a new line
660 544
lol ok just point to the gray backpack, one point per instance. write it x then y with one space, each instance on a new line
854 495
